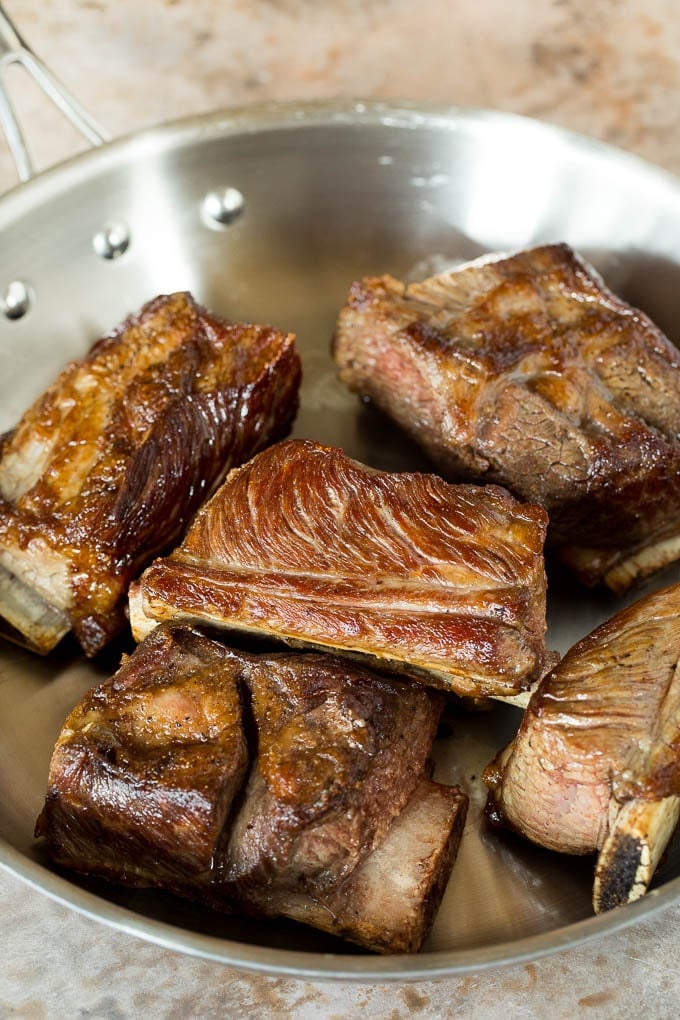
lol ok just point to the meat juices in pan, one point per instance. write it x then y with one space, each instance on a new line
528 372
106 469
338 824
405 571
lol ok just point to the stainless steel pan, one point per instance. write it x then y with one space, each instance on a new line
269 213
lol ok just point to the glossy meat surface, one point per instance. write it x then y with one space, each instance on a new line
340 751
147 766
528 372
337 824
106 469
404 570
603 726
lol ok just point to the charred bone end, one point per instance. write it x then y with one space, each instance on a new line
638 839
616 876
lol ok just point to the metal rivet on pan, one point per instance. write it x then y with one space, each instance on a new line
111 241
15 300
222 206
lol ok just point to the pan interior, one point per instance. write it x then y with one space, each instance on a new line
329 194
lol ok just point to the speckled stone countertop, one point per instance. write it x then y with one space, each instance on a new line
607 68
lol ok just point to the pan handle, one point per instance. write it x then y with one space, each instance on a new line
13 50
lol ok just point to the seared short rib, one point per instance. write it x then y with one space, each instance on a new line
389 902
106 469
403 570
601 732
528 372
325 834
337 825
146 768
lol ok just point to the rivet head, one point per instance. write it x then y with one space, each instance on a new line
111 241
222 206
15 300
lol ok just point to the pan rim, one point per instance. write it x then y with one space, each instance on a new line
269 117
290 114
350 967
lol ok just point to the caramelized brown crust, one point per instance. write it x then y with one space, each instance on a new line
306 545
337 826
527 371
340 751
605 723
146 768
108 466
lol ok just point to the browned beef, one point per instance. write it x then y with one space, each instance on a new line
527 371
146 768
105 470
389 902
602 728
337 824
340 752
403 570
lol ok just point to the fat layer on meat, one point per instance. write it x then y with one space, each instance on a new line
389 902
602 729
337 824
107 467
527 371
404 570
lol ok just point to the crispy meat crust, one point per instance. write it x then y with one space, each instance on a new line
340 751
603 724
109 465
337 824
528 372
306 545
147 766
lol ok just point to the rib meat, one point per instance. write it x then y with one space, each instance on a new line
340 751
106 469
147 766
601 730
527 371
404 570
337 825
389 902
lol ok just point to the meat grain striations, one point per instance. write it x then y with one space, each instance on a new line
305 545
602 729
106 469
337 824
528 372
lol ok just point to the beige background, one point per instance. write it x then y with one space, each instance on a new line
608 68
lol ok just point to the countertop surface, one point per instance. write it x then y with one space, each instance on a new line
607 68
